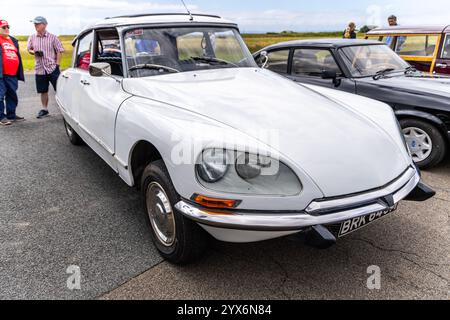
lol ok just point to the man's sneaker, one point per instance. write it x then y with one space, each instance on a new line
5 122
17 119
43 114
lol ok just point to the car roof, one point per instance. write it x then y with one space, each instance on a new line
154 18
323 43
410 30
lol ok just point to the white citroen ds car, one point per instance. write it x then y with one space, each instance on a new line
176 105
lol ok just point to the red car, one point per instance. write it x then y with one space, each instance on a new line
425 48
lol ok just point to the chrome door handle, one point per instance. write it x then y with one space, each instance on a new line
441 65
85 82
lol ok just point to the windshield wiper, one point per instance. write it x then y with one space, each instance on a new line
213 60
152 67
382 73
410 70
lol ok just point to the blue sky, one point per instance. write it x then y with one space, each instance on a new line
69 16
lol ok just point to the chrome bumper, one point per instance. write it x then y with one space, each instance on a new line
321 212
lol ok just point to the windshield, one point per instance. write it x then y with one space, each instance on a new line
368 60
152 52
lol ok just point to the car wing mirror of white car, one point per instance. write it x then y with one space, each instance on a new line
100 69
264 59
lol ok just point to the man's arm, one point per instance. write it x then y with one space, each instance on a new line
30 48
59 49
58 58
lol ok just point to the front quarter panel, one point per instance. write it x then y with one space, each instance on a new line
165 126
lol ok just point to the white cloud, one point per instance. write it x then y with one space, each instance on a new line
279 20
69 16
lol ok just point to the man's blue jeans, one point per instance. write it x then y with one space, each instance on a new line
8 97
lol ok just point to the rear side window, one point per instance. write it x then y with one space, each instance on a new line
446 48
278 61
313 62
420 46
84 49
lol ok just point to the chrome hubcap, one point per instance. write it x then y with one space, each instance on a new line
161 214
69 130
419 143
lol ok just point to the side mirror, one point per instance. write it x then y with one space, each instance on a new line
329 74
99 69
332 75
264 59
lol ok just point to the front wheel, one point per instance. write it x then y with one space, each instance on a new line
178 239
425 142
74 138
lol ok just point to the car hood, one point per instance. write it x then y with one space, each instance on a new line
424 83
342 151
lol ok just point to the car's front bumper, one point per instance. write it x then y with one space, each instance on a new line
320 212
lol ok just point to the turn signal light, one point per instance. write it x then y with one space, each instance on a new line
215 203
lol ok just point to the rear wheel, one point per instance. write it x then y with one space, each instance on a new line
425 142
74 138
178 239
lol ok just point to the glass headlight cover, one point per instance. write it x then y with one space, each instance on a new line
246 173
213 165
249 166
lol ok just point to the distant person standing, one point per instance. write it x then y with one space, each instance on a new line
350 32
47 50
393 22
11 71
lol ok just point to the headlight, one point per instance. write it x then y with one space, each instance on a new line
213 165
250 166
245 173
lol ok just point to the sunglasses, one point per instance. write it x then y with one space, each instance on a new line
5 27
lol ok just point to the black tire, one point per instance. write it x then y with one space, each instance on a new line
74 138
439 148
191 240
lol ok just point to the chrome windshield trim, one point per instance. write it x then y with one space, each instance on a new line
272 221
325 205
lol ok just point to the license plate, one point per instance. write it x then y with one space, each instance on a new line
354 224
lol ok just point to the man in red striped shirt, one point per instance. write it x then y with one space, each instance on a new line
47 50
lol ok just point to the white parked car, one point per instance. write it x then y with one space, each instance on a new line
177 106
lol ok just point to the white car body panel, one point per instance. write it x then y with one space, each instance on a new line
354 150
337 144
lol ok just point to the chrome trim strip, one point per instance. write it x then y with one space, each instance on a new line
292 221
93 137
317 206
121 163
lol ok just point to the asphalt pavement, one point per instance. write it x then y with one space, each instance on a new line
62 206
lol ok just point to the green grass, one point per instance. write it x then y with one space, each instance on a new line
254 42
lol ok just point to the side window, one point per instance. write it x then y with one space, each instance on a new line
421 46
446 48
83 57
313 62
108 49
278 61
